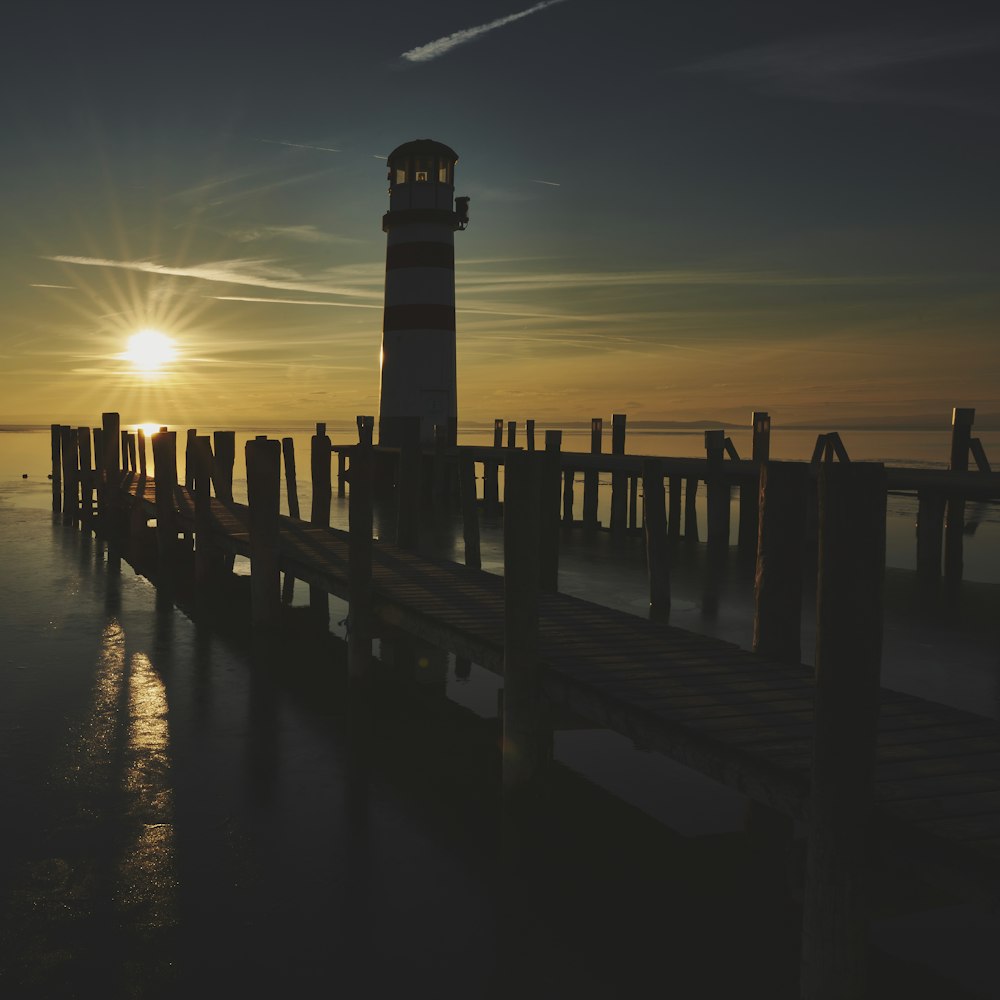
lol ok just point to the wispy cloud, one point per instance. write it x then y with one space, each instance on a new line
296 302
432 50
553 184
38 284
875 67
300 145
260 273
299 234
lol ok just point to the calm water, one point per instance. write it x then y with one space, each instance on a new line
187 816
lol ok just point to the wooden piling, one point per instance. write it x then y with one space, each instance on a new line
359 636
319 466
470 510
165 461
619 480
207 560
674 520
691 511
569 477
341 474
408 484
56 434
130 447
291 487
657 549
527 740
591 478
263 458
491 475
717 488
107 490
70 475
930 526
511 433
529 433
848 661
761 448
189 457
86 477
141 445
548 556
125 452
961 432
222 466
777 622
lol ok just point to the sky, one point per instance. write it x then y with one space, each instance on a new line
678 211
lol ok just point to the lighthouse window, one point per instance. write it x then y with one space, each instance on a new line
420 175
400 176
443 173
420 172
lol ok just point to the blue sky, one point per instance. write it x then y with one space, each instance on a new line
679 212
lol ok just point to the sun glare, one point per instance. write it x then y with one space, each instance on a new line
150 350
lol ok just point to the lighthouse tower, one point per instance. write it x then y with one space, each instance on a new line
418 328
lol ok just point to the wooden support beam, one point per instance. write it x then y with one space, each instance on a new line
511 433
189 457
718 492
777 622
590 477
979 455
761 447
548 556
165 462
674 519
569 477
56 475
126 454
319 467
619 480
527 738
359 636
633 503
341 473
848 662
86 477
691 511
529 431
470 511
291 486
141 445
408 484
657 548
70 475
491 475
962 419
498 433
263 458
107 490
207 559
222 466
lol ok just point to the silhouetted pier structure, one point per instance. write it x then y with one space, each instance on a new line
875 775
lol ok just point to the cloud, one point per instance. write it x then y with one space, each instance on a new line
300 145
37 284
432 50
862 68
300 234
553 184
260 273
295 302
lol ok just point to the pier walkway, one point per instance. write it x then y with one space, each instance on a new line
740 718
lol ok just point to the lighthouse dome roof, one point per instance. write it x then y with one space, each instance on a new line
423 147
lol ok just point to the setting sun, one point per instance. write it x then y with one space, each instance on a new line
150 350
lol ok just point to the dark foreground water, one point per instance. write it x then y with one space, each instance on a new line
186 813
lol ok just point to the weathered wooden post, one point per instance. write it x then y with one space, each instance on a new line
320 449
291 486
718 492
56 432
674 520
107 491
222 466
141 443
165 461
569 477
529 432
930 525
961 432
359 571
691 510
511 433
848 661
86 477
761 448
341 473
470 510
263 459
408 485
189 457
130 447
657 549
633 502
527 737
591 477
70 475
206 556
777 621
548 555
124 451
491 474
746 539
619 480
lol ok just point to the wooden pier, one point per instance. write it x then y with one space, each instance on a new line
875 776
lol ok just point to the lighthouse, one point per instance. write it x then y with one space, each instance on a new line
418 372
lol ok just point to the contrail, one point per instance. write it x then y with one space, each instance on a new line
553 184
424 53
300 145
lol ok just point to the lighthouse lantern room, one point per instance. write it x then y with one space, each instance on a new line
418 377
